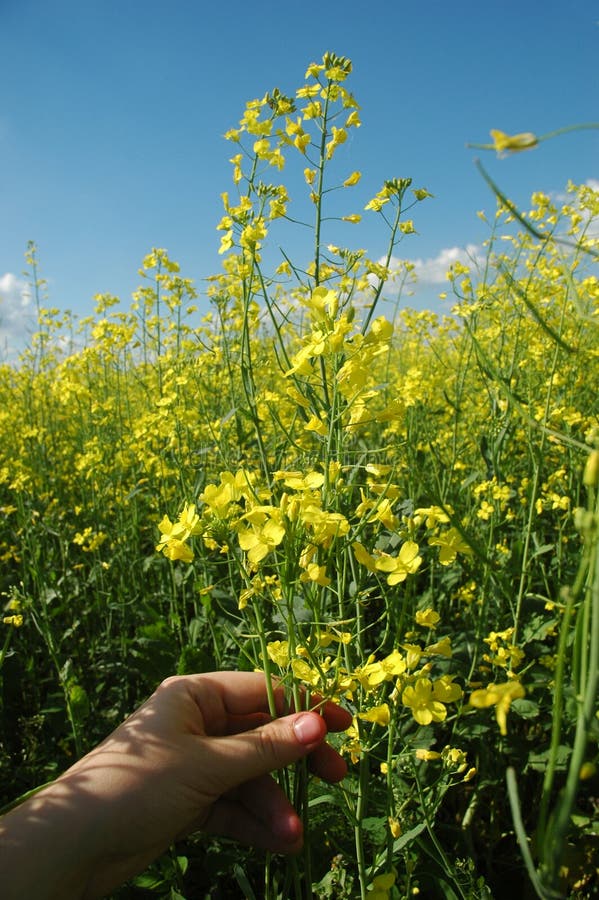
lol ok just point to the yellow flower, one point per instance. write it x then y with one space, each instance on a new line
323 301
352 744
427 755
451 543
308 91
303 672
413 654
394 664
500 696
364 557
226 242
252 234
377 202
440 648
504 653
380 330
454 759
325 638
261 147
278 651
312 110
317 574
431 515
88 540
317 425
15 621
445 690
353 120
399 567
379 714
301 141
298 482
513 143
283 268
427 617
420 699
339 136
260 540
324 525
173 535
382 512
352 179
591 470
232 487
587 770
371 675
334 471
188 520
176 549
394 826
312 72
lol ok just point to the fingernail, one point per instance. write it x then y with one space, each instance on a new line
308 728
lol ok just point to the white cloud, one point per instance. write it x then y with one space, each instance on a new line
16 314
433 269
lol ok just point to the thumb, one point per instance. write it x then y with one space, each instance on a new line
273 746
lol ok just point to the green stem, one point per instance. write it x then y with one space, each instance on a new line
587 638
6 644
319 188
381 284
361 805
512 788
435 841
558 700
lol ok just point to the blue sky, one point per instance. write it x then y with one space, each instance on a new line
112 114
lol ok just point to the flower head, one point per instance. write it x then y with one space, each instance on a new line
420 698
379 714
400 566
500 696
513 143
451 543
174 535
428 618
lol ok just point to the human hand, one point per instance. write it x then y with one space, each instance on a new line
196 755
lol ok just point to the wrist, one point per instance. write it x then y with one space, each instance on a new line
48 845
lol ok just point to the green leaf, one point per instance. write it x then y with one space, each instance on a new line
404 839
526 709
538 761
242 881
375 829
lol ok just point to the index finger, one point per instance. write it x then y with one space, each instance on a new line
245 693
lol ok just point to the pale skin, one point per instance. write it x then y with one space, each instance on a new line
196 756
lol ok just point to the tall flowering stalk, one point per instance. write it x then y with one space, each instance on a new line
309 544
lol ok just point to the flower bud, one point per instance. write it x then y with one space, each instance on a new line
591 470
